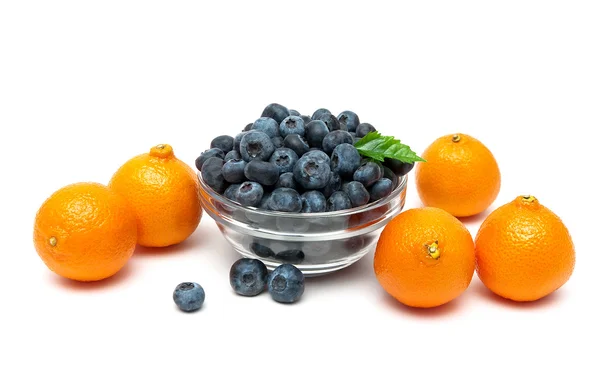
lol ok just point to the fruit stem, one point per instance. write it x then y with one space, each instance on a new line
529 199
53 241
433 250
162 151
456 138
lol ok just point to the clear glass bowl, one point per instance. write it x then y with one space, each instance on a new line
316 243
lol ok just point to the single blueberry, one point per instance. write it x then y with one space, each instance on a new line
398 167
319 154
335 138
249 194
389 174
338 201
285 200
312 173
306 119
223 142
316 132
277 142
319 112
267 125
256 145
291 125
262 172
363 129
231 192
382 188
286 180
294 113
291 256
213 152
233 171
262 250
212 174
189 296
233 155
286 283
368 174
332 122
276 111
248 276
296 143
357 193
350 119
284 159
345 159
313 202
248 127
334 184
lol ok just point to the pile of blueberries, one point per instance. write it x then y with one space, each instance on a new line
288 162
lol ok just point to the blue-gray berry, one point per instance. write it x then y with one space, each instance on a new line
286 283
189 296
248 277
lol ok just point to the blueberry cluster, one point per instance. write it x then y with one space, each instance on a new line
249 277
288 162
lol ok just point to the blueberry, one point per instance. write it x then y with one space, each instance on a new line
248 277
357 193
233 171
368 174
249 194
276 111
363 129
286 283
398 167
256 145
294 113
316 132
261 250
318 154
213 175
189 296
382 188
248 127
313 202
350 119
345 159
334 184
312 173
306 119
267 125
291 256
262 172
223 142
356 140
389 174
335 138
214 152
233 155
284 159
238 140
319 112
286 180
264 202
332 122
285 200
291 125
231 192
277 141
296 143
338 201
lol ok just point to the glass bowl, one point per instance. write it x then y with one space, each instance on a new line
316 243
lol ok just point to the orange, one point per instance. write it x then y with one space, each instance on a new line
85 232
460 176
425 257
524 251
164 193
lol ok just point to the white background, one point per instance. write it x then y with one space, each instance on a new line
84 86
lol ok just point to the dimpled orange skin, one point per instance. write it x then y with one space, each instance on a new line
524 251
85 232
164 192
406 268
460 176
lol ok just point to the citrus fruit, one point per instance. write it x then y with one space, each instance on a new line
85 232
460 176
164 193
524 251
425 257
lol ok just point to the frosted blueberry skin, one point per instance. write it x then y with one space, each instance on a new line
223 142
262 172
233 155
363 129
338 201
276 111
357 193
286 284
368 174
213 152
315 133
345 160
277 141
294 112
256 145
285 200
291 125
249 194
267 125
398 167
335 138
332 122
189 296
320 112
334 184
213 175
286 180
313 202
350 119
312 173
380 189
284 159
233 171
248 277
296 143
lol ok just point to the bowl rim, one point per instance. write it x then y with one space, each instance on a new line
402 182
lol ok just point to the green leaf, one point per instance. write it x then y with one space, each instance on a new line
379 147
